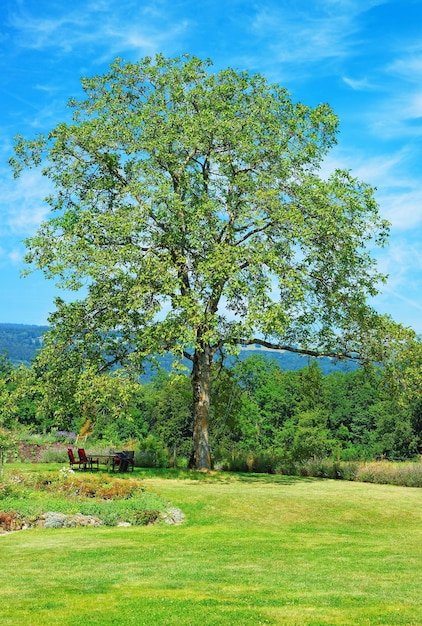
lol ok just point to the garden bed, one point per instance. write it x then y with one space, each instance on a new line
36 452
62 498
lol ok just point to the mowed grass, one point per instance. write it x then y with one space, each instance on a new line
253 550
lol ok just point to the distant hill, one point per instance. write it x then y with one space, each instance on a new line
286 361
291 361
21 342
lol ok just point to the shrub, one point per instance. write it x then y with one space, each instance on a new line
323 468
13 487
54 455
263 463
143 517
386 472
145 458
10 520
238 462
272 461
151 453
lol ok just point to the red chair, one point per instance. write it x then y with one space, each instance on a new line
89 461
73 461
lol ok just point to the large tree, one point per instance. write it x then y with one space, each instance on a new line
189 207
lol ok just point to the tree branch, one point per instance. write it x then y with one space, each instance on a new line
304 351
262 229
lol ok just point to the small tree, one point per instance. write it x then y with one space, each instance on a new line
190 207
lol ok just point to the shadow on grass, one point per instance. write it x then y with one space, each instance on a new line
219 476
275 478
175 474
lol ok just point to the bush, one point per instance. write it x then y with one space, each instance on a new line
238 462
152 453
10 520
10 489
54 455
356 453
386 472
326 468
145 458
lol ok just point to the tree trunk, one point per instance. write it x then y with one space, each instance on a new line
201 379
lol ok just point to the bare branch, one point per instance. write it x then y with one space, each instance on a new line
304 351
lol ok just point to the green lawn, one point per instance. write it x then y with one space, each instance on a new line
253 550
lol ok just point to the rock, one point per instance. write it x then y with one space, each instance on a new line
60 520
173 516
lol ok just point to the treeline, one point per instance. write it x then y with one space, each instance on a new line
259 411
21 341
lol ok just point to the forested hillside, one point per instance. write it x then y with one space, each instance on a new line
21 342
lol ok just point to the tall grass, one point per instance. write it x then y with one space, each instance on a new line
406 474
388 473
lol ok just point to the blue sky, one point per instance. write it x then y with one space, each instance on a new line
364 57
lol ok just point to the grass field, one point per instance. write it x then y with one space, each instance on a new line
253 550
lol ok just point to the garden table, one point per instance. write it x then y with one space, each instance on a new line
104 459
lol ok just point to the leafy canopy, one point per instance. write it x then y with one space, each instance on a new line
190 207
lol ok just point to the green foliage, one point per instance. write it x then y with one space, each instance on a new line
18 396
167 405
236 462
351 415
8 443
152 453
256 408
307 436
6 365
190 207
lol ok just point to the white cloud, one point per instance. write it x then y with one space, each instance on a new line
409 65
399 191
112 27
15 256
40 33
362 84
399 113
412 303
403 210
308 33
400 258
400 296
400 117
22 204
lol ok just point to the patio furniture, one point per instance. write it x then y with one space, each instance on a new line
73 462
123 460
88 460
130 454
